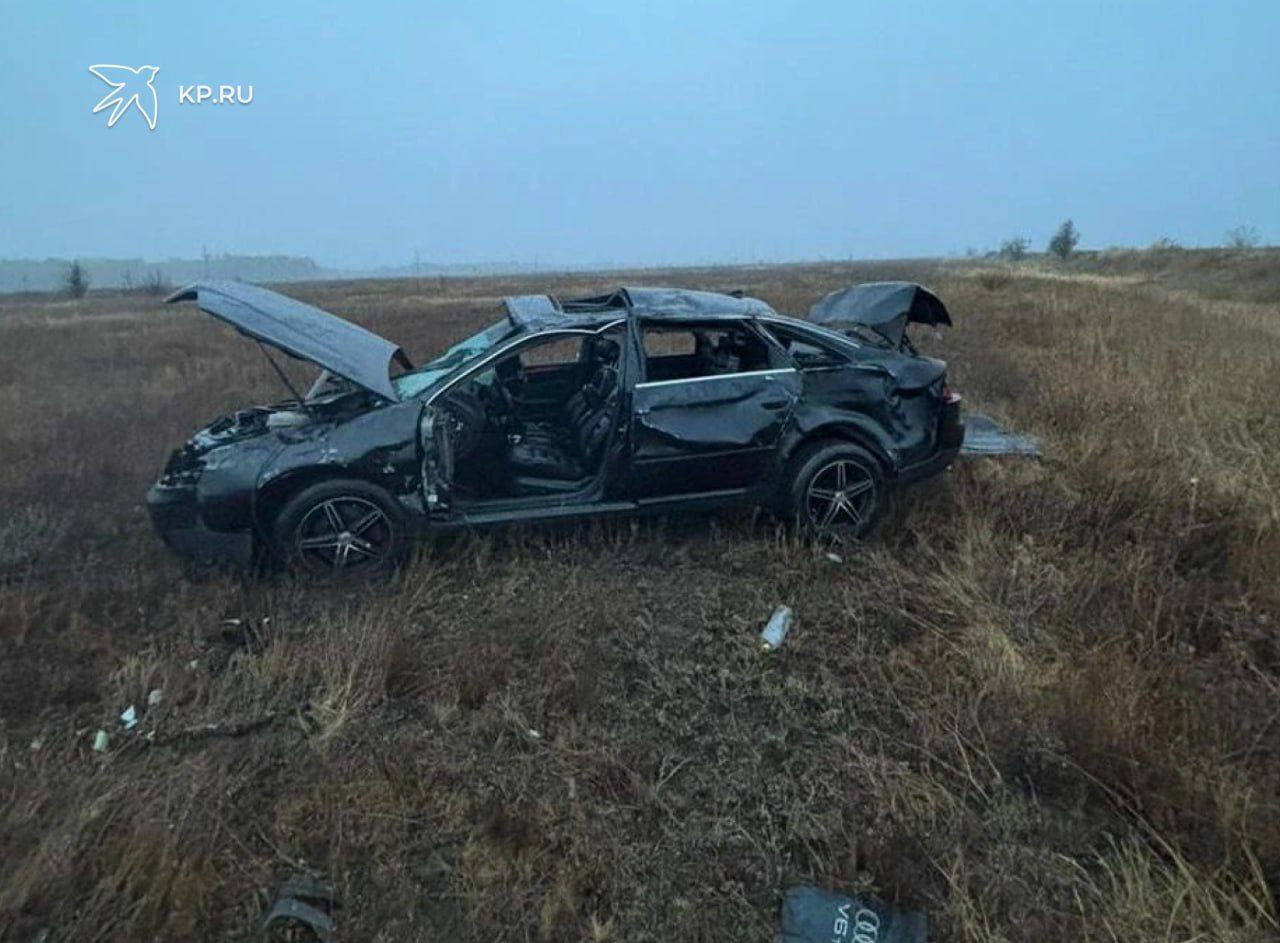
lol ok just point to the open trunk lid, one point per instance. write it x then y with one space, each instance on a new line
301 331
885 307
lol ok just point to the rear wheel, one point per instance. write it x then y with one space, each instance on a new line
341 530
837 490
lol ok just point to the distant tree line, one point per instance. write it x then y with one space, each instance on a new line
143 276
1062 243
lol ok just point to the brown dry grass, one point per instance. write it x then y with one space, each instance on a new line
1043 705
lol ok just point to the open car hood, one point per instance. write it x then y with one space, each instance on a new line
301 331
886 307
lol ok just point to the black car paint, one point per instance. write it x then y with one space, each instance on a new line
698 443
885 307
681 443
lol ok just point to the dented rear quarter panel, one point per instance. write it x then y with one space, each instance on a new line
886 401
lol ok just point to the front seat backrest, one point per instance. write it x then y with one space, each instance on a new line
604 353
593 433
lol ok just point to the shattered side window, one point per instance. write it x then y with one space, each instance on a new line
693 351
808 352
671 343
557 352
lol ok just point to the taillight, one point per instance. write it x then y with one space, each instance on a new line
949 396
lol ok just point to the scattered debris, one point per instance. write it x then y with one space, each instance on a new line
129 717
776 629
203 731
302 912
982 436
834 557
812 915
232 639
154 697
101 741
243 635
36 745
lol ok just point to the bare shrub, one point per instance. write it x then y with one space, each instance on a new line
1015 249
1064 240
1242 237
76 281
155 284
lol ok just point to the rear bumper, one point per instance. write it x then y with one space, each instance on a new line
950 438
176 517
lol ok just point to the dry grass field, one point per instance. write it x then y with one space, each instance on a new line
1044 704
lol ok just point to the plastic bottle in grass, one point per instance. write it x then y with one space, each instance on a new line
776 629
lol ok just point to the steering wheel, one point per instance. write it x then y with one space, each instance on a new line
467 419
503 392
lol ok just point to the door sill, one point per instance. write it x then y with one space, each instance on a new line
512 514
726 494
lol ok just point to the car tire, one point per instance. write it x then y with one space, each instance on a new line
836 490
341 530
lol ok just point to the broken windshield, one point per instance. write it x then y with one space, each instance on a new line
411 384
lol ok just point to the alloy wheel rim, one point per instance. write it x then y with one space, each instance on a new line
841 495
345 534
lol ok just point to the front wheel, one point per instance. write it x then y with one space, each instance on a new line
837 490
341 530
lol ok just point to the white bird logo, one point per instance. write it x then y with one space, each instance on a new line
128 87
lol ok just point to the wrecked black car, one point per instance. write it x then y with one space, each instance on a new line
638 400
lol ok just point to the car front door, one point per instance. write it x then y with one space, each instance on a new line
709 409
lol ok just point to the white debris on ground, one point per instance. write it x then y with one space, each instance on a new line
776 629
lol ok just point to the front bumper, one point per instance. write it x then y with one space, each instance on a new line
949 439
176 516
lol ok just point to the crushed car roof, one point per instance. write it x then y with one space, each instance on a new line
301 331
540 312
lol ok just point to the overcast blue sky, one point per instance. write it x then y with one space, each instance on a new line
655 132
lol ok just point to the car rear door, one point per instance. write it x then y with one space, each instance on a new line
713 428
